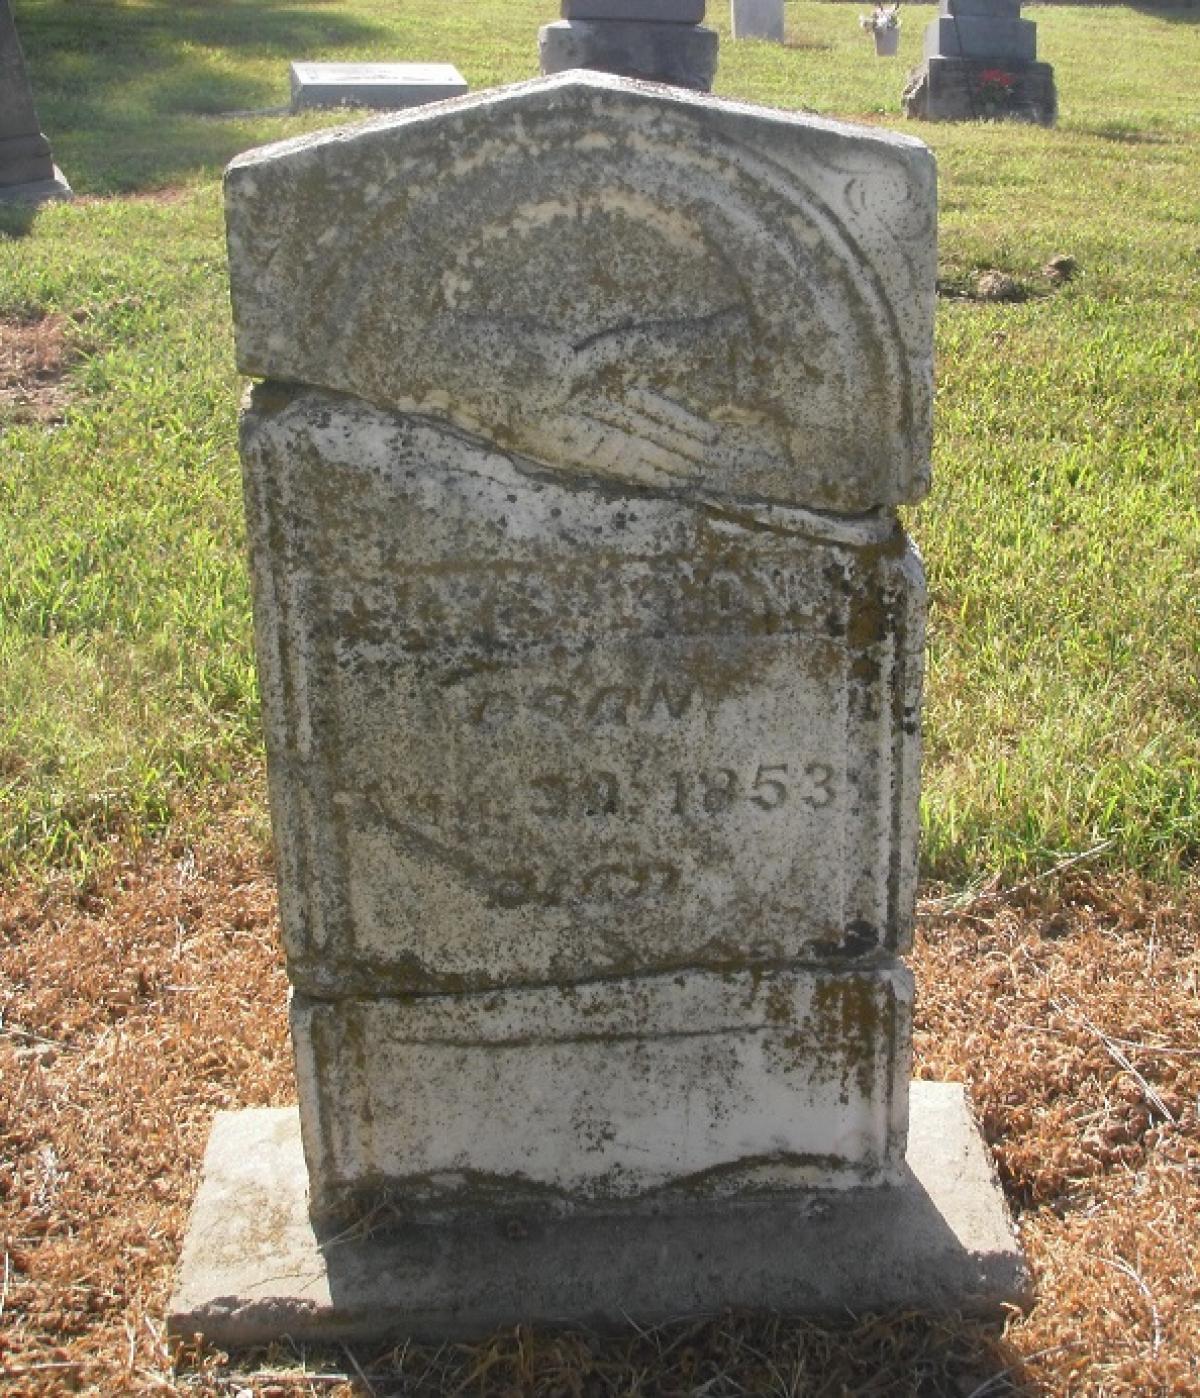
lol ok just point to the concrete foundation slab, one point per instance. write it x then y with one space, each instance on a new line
253 1269
958 89
383 85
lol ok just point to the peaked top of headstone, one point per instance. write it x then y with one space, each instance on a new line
611 278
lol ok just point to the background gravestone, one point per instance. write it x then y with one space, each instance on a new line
757 19
27 169
980 61
388 86
590 648
655 40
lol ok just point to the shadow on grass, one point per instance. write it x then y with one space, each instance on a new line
1185 12
120 90
16 220
1125 135
924 1356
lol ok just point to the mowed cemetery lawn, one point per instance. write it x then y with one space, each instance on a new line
1057 962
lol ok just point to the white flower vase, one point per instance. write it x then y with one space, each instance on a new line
887 43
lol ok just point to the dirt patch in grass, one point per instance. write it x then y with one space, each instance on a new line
35 354
165 195
131 1014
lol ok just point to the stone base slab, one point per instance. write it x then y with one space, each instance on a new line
36 191
387 86
684 55
954 89
253 1270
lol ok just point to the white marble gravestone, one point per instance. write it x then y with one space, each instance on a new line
389 86
590 649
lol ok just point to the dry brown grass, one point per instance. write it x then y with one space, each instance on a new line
35 353
131 1013
1075 1018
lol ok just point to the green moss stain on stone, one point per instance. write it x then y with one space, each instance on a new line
853 1021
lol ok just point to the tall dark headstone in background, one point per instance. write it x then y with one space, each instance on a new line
981 62
27 169
655 40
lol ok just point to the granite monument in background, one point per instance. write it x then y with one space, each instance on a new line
591 648
27 170
981 62
655 40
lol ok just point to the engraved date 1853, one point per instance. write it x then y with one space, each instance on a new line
691 795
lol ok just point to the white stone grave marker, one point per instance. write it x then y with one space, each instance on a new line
590 649
385 85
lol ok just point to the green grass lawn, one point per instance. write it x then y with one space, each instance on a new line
1062 537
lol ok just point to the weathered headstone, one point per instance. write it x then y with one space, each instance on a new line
981 61
757 19
27 170
655 40
391 86
591 650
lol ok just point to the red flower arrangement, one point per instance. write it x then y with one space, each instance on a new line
996 88
995 82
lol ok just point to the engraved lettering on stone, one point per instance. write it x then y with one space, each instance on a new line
604 883
588 793
437 609
614 704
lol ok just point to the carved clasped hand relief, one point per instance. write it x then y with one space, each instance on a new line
656 299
